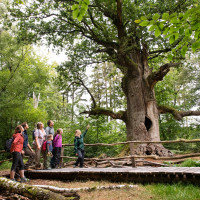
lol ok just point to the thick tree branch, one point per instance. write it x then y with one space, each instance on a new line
178 115
95 23
160 51
101 111
154 77
92 97
119 22
82 83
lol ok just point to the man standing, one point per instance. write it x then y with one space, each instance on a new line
28 151
49 129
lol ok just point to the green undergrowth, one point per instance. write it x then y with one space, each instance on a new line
186 163
190 163
5 165
174 191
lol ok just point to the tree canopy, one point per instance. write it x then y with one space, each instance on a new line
117 31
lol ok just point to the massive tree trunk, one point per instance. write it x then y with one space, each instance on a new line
142 113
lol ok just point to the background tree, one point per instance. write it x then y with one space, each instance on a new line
109 32
180 90
22 73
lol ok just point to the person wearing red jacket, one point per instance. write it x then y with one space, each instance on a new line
17 151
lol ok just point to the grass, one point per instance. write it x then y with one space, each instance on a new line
174 191
186 163
5 165
190 163
150 191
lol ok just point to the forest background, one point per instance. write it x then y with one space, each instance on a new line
33 90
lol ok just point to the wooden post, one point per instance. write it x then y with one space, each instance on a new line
133 161
61 157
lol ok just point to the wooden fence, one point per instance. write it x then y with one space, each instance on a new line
133 157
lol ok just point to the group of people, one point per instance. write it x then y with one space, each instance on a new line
47 143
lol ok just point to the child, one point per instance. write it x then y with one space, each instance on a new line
17 151
79 146
57 145
49 150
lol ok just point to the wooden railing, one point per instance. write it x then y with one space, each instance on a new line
133 157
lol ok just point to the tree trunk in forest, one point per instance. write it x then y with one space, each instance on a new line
142 118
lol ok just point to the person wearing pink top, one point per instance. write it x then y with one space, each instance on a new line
57 145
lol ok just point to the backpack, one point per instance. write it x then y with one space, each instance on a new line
44 146
8 144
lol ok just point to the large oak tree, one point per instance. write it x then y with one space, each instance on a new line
111 30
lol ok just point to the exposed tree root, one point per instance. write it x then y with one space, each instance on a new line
153 149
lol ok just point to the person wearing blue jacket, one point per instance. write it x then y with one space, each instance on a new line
28 151
79 146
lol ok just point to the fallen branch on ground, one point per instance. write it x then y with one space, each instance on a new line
32 192
63 190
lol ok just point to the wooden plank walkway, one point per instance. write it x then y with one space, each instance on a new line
129 174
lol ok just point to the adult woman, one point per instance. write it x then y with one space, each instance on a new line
40 136
79 146
17 151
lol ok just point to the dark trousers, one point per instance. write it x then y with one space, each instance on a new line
56 157
17 161
81 154
31 157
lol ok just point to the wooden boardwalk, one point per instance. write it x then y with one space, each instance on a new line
135 175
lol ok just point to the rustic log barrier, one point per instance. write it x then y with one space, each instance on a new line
141 142
132 157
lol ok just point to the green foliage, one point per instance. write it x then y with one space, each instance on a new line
181 27
94 38
100 131
22 72
174 191
80 9
178 90
5 165
190 163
